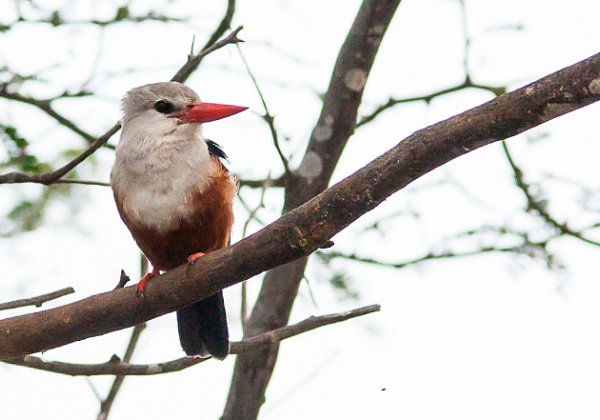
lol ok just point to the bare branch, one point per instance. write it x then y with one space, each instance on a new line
267 117
466 84
36 301
107 403
392 102
194 60
301 231
263 183
46 106
534 205
51 177
335 125
223 25
117 367
122 15
433 256
250 210
251 216
123 280
82 182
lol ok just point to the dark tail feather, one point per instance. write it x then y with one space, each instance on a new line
203 328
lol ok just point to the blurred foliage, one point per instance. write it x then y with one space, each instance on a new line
19 157
341 282
28 211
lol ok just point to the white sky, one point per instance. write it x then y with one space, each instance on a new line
491 337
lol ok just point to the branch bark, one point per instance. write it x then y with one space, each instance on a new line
107 404
116 367
181 76
36 300
334 127
303 230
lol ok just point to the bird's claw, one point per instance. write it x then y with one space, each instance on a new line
141 286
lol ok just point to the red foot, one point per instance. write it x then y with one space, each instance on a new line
141 286
192 258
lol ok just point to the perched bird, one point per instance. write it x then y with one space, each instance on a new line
175 195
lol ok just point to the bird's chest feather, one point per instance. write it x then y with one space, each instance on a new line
157 190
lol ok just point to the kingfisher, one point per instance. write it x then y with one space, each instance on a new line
175 195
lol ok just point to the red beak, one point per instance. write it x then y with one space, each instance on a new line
201 112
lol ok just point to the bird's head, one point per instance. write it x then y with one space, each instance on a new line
161 107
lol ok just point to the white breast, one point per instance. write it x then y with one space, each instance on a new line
152 177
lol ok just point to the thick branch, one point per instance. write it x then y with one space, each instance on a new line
303 230
334 127
117 367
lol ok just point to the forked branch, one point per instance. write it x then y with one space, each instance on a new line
301 231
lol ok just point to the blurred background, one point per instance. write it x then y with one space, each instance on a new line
486 269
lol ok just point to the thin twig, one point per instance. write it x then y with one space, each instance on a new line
522 248
36 301
194 61
82 182
123 280
262 183
253 212
466 84
223 25
467 37
46 106
536 206
117 367
51 177
57 20
106 405
251 216
267 117
249 210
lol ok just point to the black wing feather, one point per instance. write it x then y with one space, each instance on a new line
215 150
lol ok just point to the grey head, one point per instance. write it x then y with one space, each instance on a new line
164 98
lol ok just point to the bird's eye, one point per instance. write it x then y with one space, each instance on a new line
164 107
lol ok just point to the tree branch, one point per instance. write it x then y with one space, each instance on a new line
392 102
122 15
434 256
303 230
182 74
334 127
534 205
45 105
263 183
223 25
267 117
107 403
52 177
37 300
194 60
117 367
